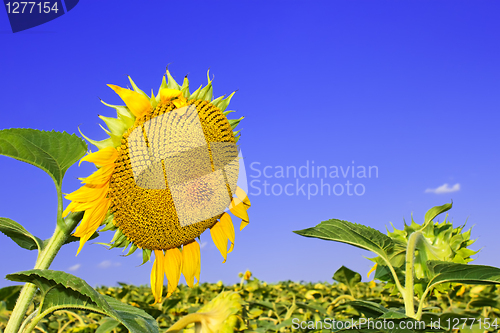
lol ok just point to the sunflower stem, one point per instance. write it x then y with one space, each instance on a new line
410 258
45 258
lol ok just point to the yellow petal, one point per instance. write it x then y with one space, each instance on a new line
157 274
93 218
242 196
186 320
137 104
173 266
101 176
85 198
197 274
220 239
91 221
167 94
71 208
238 208
243 224
104 156
227 226
180 102
87 193
191 262
372 270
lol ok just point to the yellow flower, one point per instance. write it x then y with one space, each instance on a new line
219 315
167 172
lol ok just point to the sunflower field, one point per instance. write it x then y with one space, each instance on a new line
273 307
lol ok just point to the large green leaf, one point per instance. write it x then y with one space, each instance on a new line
352 233
61 290
442 271
54 152
18 234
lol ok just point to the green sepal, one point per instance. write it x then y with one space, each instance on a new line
216 101
125 244
99 144
108 223
115 139
146 255
435 211
171 83
228 112
185 88
195 95
115 126
136 88
235 122
132 249
207 92
122 113
118 239
162 86
152 99
225 102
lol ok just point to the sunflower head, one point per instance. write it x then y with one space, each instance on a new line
440 241
167 172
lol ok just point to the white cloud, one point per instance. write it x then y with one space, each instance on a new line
203 244
108 263
74 268
445 188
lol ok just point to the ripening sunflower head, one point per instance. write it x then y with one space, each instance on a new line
167 172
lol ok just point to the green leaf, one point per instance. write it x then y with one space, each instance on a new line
61 290
369 309
352 233
393 315
435 211
9 295
442 271
18 234
107 325
347 276
54 152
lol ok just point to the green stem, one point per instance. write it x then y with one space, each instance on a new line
410 258
27 320
45 257
395 276
31 326
421 305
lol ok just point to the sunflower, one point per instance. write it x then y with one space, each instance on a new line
167 172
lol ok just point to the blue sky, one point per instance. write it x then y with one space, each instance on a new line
410 88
